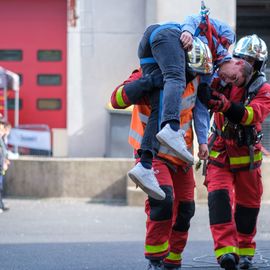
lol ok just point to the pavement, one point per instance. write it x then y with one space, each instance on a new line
72 234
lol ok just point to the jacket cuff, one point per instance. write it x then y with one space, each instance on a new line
188 28
235 113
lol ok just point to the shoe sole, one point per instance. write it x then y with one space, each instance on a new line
148 191
175 152
229 265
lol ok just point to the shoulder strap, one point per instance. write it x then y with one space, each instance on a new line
254 87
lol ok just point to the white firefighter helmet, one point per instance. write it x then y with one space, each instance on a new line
252 48
200 58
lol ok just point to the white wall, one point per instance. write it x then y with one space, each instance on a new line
177 10
102 51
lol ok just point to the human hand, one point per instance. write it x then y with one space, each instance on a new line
218 102
187 39
203 151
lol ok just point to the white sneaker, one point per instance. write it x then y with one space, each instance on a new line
146 180
176 142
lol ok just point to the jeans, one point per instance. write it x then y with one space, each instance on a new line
170 58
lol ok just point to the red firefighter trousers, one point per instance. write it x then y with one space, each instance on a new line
234 200
168 221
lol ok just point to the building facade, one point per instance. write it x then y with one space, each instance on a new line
71 55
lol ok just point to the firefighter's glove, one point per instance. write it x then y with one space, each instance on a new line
204 93
219 103
156 79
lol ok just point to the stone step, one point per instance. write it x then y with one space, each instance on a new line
135 196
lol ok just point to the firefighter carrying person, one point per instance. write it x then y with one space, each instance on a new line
168 220
233 175
161 51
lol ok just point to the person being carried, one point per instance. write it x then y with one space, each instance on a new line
162 49
153 83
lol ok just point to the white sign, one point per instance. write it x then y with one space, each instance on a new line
30 138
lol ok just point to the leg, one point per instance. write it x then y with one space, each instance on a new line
167 51
149 145
248 192
170 56
149 141
183 211
220 201
159 216
142 174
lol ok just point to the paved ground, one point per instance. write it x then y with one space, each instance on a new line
77 235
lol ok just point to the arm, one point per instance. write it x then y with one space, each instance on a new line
191 23
259 107
189 27
133 90
255 112
201 122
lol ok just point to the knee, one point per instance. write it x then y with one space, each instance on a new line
245 218
174 78
185 212
162 210
219 207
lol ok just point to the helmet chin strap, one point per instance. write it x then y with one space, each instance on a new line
247 80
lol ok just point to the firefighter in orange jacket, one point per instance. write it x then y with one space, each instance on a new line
233 176
168 220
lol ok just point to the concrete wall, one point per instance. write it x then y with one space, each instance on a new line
102 51
93 178
98 179
175 10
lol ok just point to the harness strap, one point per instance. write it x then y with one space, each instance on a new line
215 132
208 30
147 60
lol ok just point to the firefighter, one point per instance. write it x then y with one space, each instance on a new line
233 177
160 50
168 220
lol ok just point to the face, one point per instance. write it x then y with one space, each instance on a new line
232 72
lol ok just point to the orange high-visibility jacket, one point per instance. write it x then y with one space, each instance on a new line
140 116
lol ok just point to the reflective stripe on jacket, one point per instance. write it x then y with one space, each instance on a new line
226 152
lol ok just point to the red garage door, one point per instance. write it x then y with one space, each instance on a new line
33 44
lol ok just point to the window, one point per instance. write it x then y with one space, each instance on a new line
11 104
49 104
10 55
49 79
49 55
